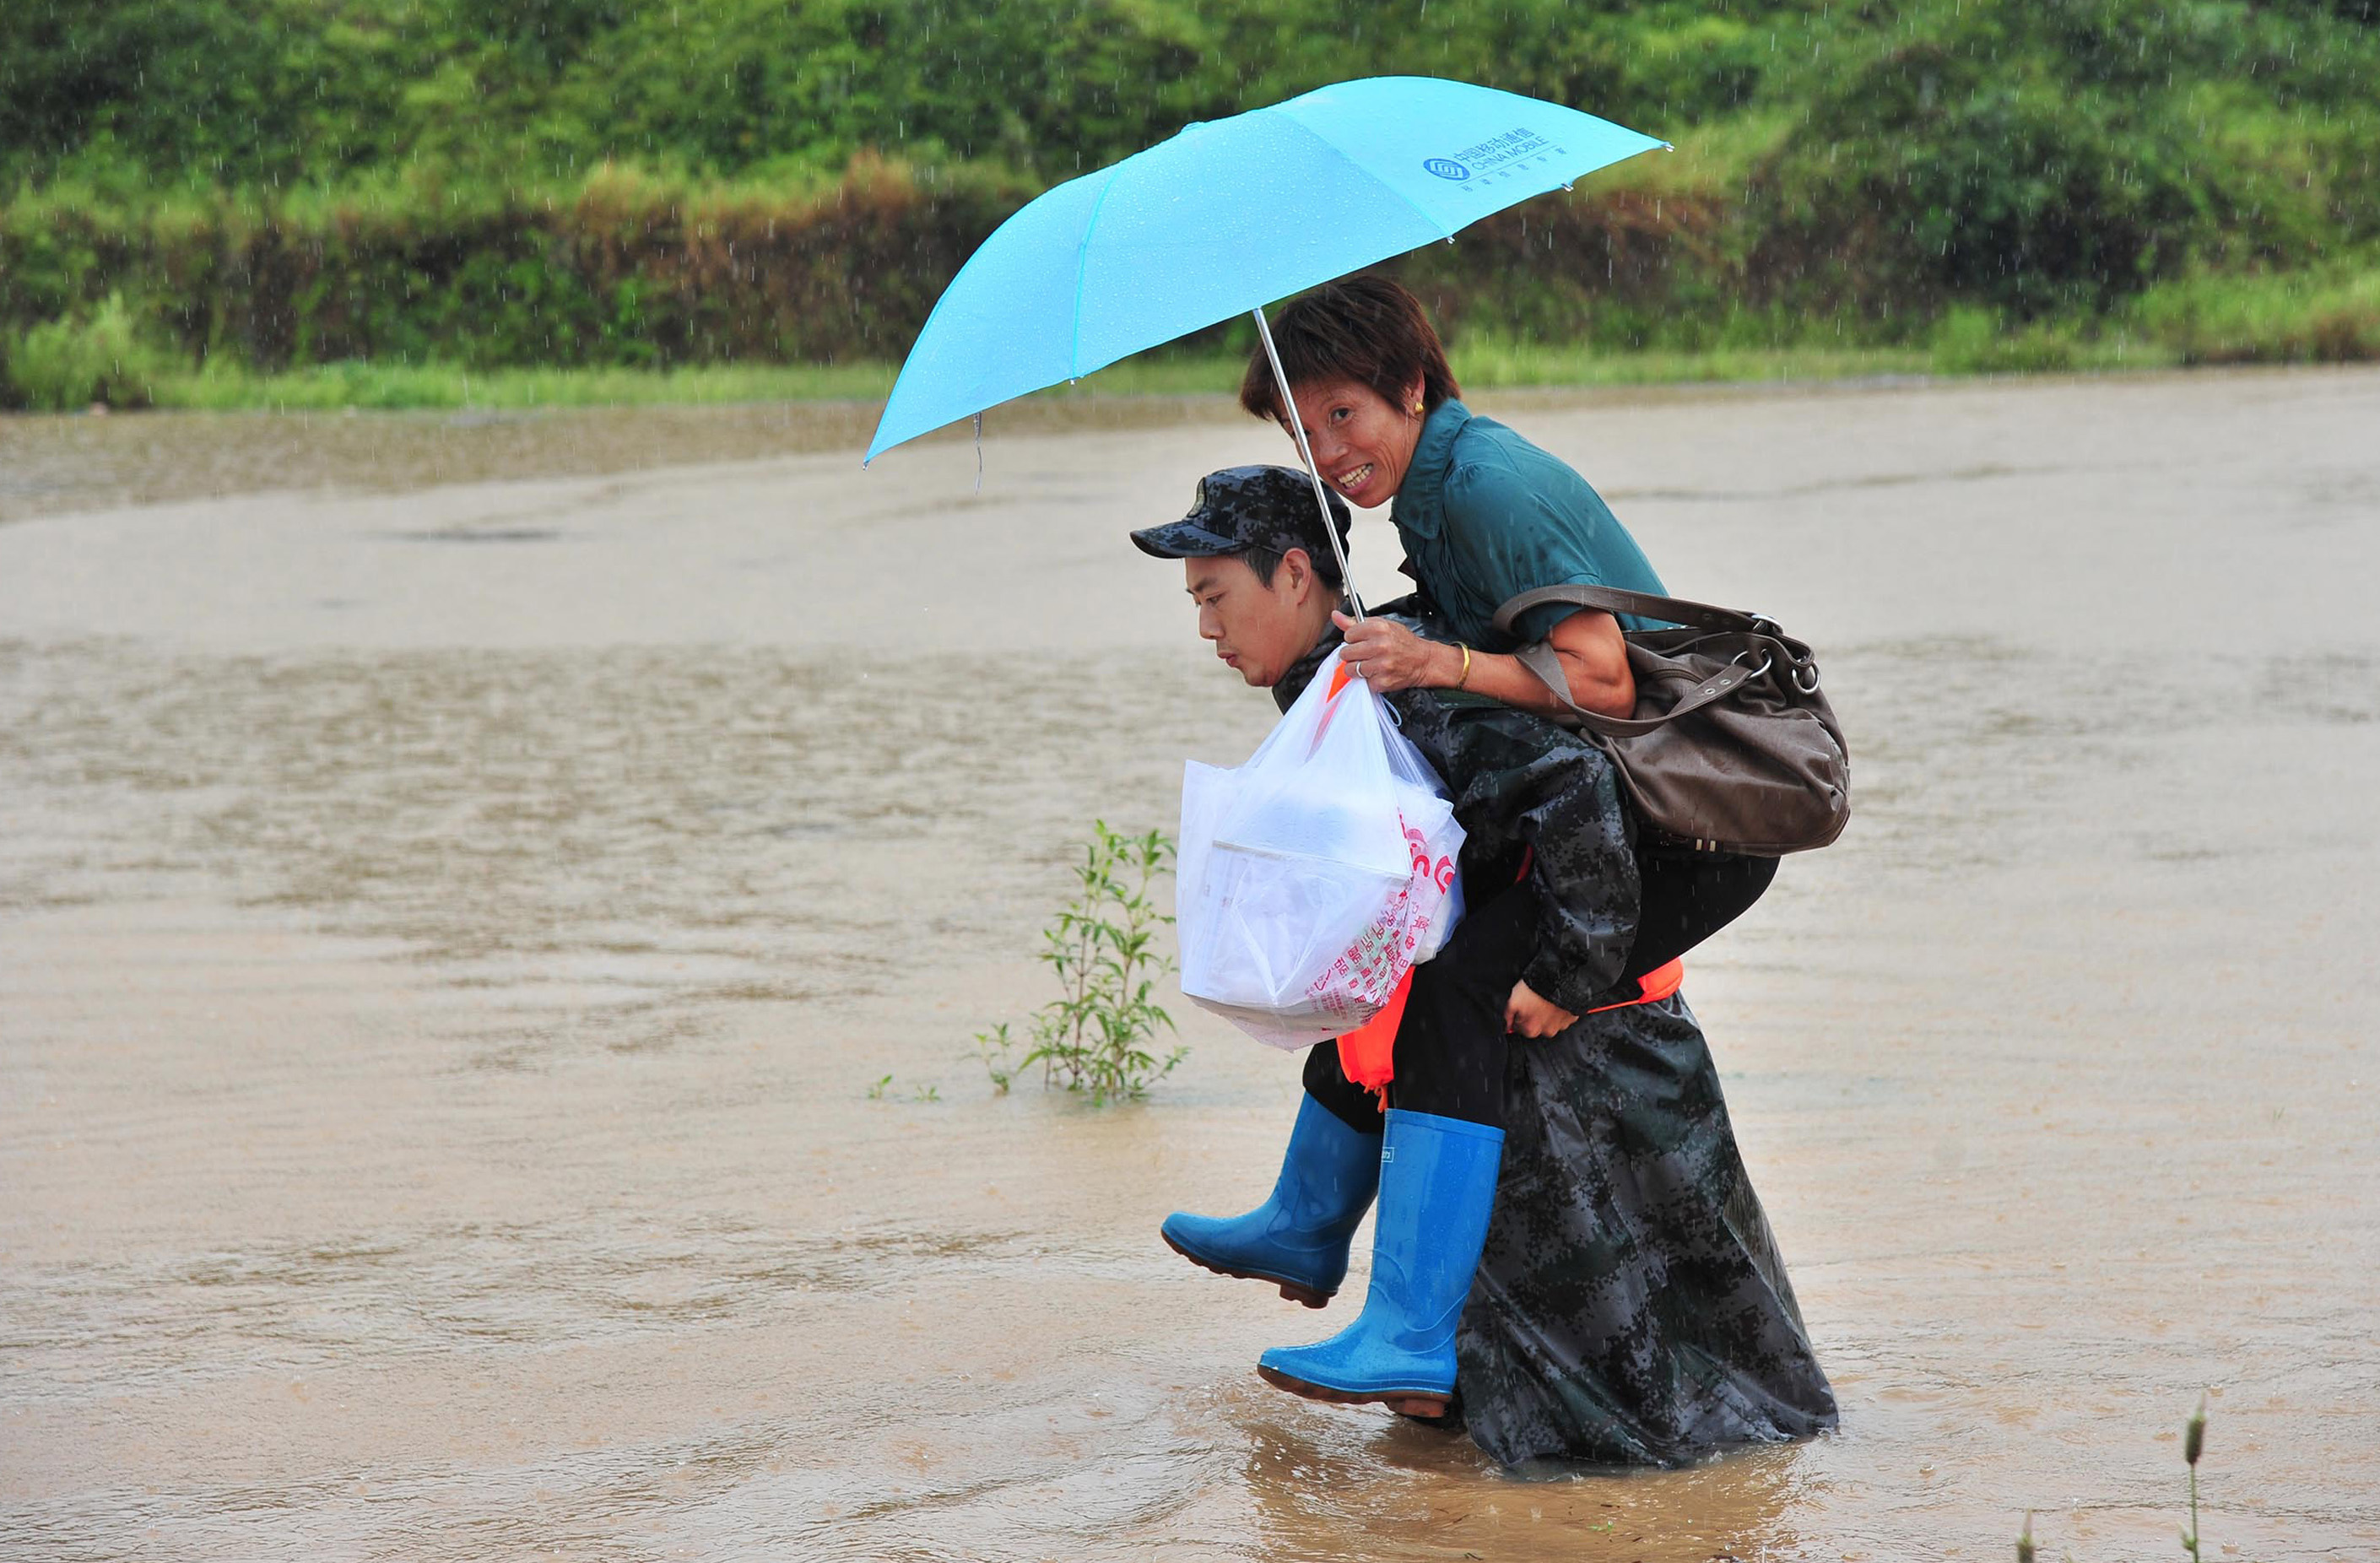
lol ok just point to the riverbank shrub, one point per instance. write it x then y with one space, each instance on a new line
1972 339
636 269
628 268
81 360
2327 315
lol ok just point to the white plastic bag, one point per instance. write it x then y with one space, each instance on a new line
1311 877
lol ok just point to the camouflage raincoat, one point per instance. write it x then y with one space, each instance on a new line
1630 1306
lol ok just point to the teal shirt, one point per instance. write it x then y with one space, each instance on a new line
1485 515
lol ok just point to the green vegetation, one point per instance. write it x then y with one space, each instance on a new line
2310 317
224 386
2193 1445
2327 313
262 187
67 363
1097 1034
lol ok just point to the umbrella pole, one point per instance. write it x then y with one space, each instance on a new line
1297 428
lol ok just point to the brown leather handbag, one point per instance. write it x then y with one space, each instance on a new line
1733 747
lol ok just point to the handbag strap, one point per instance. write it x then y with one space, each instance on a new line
1542 661
1644 604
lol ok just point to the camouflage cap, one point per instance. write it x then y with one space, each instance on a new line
1245 507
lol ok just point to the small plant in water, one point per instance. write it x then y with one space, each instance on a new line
1099 1033
2194 1444
882 1090
993 1046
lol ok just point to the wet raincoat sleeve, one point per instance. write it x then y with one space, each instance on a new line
1564 806
1523 785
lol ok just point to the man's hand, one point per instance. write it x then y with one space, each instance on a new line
1388 656
1531 1014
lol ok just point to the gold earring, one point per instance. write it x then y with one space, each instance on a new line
1416 409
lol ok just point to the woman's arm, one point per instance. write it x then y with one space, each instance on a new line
1594 659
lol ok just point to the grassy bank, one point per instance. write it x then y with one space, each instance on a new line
2322 317
281 189
332 387
391 387
1654 312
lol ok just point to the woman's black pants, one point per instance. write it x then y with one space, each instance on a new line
1450 1049
1449 1053
1688 896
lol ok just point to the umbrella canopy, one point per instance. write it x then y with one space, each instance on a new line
1224 218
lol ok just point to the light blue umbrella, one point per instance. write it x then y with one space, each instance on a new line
1228 216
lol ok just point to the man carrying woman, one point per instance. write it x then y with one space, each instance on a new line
1569 1256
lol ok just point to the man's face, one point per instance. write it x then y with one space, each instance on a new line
1258 629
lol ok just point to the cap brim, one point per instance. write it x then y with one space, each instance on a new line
1183 540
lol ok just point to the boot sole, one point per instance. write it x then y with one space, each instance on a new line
1404 1402
1289 1289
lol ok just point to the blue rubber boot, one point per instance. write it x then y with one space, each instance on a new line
1296 1239
1438 1187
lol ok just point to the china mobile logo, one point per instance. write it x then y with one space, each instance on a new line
1440 873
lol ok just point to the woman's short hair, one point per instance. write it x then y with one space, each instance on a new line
1366 329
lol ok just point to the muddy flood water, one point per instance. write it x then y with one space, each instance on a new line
461 893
